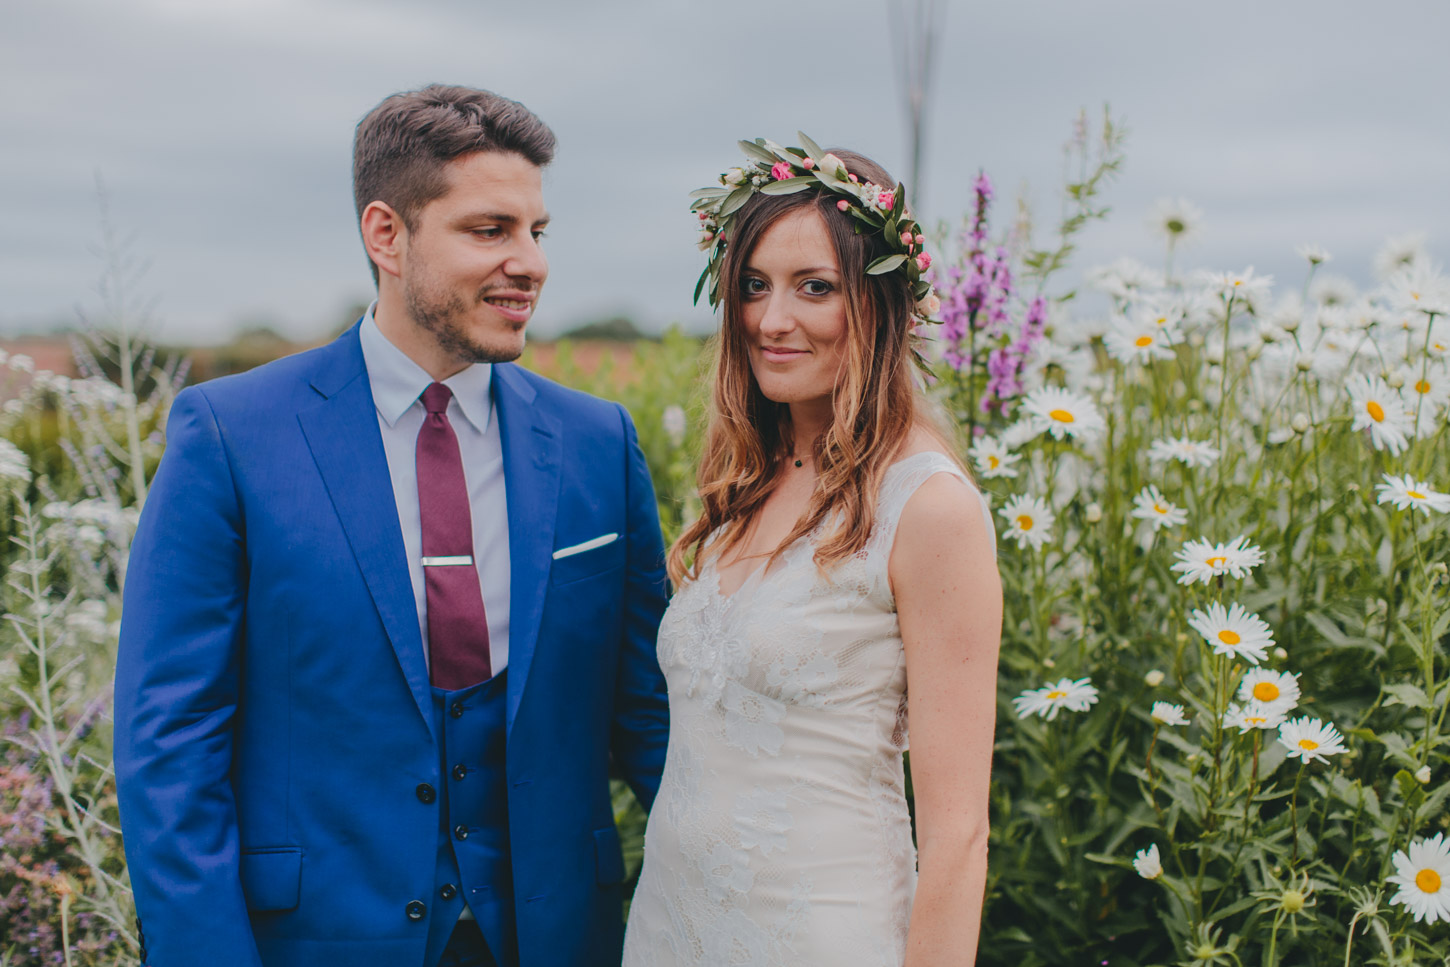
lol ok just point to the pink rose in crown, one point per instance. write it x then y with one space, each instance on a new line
780 170
808 163
886 200
920 239
905 238
923 261
842 205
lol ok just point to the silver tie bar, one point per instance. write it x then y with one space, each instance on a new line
456 560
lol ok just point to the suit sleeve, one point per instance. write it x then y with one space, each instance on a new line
641 707
177 672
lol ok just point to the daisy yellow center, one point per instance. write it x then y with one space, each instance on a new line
1024 521
1416 494
1229 637
1376 412
1056 694
1162 320
1238 282
1061 416
1143 341
1255 719
1266 691
1308 745
1422 386
1216 561
1160 508
993 462
1428 881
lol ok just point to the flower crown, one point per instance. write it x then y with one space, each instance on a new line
774 170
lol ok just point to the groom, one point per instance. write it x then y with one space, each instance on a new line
391 609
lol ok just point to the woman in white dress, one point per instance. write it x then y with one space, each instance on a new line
842 560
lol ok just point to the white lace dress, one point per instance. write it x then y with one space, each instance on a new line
780 835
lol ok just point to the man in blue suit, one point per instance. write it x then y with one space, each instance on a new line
391 609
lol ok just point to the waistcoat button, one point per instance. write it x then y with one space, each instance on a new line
426 793
417 910
459 771
461 831
448 891
456 709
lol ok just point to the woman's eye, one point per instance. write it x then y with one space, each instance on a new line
817 287
753 286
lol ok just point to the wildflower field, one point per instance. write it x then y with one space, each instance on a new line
1224 684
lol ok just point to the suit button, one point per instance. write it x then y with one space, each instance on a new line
426 794
456 710
461 831
459 771
417 910
448 891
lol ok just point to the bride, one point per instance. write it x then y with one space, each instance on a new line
843 559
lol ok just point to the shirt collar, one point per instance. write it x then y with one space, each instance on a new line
397 381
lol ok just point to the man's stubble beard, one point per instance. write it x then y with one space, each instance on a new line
441 317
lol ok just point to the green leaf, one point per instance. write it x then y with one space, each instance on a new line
757 152
735 200
1405 693
886 263
813 149
710 192
789 186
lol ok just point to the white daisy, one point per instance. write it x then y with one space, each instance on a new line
1124 278
1150 505
1270 689
1193 453
1244 287
1203 561
1398 253
1047 701
992 458
1381 410
1166 713
1020 432
1419 287
1406 492
1252 716
1140 338
14 463
1309 739
1147 863
1176 218
1332 290
1029 521
1423 875
1233 632
1426 391
1314 253
1063 413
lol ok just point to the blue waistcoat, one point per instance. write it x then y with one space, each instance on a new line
473 863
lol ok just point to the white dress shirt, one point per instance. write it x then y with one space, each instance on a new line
397 383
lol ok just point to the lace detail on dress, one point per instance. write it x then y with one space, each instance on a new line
780 835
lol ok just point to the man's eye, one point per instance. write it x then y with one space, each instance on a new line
491 231
540 235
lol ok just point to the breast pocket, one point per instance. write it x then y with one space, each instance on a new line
576 562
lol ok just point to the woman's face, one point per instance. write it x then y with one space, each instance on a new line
794 311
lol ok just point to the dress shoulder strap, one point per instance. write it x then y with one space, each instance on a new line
902 480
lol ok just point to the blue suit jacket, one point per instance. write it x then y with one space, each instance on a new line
272 702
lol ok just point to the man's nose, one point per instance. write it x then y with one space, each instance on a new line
528 262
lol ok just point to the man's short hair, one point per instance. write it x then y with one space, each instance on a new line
403 145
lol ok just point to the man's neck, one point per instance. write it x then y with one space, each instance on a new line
391 315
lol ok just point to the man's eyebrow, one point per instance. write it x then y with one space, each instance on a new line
502 218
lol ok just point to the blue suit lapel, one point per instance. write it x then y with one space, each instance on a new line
342 433
532 448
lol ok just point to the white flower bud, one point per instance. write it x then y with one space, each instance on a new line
1154 678
1280 653
1255 350
734 176
1300 423
833 167
1422 775
1092 513
1290 323
1048 663
1303 362
1213 352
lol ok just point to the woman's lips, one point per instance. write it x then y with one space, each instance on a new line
780 354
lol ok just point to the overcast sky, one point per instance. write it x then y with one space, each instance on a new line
223 131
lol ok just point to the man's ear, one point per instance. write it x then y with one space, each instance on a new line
384 237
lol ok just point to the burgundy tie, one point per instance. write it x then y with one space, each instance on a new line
457 625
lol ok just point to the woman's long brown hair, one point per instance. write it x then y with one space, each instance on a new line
875 404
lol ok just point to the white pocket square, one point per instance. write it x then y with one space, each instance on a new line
599 541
